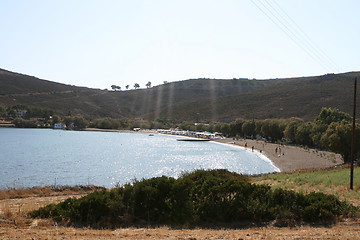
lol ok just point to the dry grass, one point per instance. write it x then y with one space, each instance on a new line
45 191
14 224
39 229
21 193
16 203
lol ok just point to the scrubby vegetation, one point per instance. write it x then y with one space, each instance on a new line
200 197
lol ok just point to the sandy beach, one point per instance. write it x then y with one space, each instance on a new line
289 158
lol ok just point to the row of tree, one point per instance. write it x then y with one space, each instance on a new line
26 112
136 86
38 117
331 129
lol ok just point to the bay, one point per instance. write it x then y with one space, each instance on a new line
44 157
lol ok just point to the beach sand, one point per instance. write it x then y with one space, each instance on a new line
291 158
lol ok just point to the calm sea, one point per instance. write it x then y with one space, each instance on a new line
43 157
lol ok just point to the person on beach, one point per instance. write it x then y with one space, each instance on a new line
252 148
245 144
276 151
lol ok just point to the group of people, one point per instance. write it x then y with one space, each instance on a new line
252 148
278 150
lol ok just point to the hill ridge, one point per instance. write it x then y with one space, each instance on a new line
193 99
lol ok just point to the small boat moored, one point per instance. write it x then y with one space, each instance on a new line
193 139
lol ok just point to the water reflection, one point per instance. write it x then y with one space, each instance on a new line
48 157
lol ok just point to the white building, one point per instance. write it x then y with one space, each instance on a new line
58 126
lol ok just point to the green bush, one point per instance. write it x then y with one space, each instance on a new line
195 198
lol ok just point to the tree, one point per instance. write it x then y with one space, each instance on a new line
235 127
114 87
105 123
148 85
258 126
136 85
55 119
2 111
302 134
328 115
127 87
248 128
225 128
21 123
80 123
290 129
337 138
68 121
317 131
272 129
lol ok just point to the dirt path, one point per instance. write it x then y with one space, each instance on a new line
40 229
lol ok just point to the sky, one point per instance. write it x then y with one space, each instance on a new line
99 43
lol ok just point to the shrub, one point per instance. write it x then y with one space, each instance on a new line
195 198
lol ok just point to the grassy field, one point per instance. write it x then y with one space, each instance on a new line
331 181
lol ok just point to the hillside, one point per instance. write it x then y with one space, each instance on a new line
194 99
302 97
15 83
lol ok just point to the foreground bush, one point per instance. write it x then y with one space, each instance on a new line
200 197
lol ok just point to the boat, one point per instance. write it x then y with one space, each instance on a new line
193 139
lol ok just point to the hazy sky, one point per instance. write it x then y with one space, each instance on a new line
103 42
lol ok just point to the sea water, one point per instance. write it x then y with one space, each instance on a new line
44 157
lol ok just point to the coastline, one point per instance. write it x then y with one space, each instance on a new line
292 158
255 151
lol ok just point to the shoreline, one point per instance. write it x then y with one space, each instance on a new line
255 151
291 158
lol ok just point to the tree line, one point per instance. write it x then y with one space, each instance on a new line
330 130
136 86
